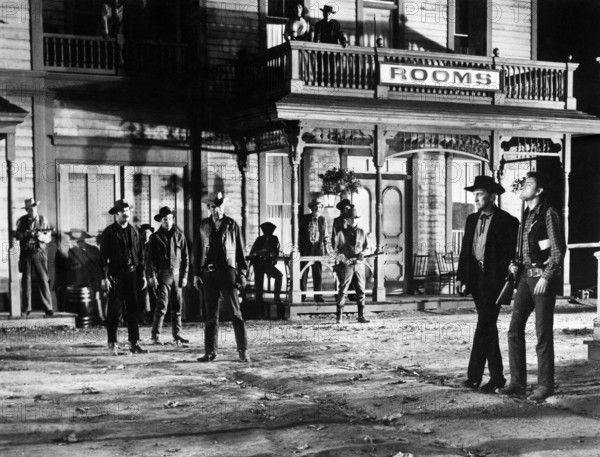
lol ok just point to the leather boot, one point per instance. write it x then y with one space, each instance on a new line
339 316
361 314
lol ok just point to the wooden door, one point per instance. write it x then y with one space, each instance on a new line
377 23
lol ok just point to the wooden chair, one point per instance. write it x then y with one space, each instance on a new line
419 271
447 272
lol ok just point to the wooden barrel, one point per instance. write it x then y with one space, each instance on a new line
80 302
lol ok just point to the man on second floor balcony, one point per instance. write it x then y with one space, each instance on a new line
328 30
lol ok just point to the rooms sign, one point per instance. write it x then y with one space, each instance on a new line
440 77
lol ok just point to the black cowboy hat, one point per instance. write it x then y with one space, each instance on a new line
216 199
487 183
328 9
119 206
78 234
144 227
30 203
164 211
315 202
342 203
268 228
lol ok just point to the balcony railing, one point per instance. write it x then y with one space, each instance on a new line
321 69
97 55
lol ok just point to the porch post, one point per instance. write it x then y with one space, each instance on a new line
566 173
13 250
292 131
379 262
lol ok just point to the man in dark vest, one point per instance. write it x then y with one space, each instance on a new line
167 267
328 30
122 258
313 242
34 233
220 268
542 251
488 247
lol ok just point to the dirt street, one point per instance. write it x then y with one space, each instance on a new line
387 388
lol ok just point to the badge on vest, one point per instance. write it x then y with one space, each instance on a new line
544 244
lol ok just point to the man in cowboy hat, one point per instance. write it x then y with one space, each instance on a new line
328 30
339 224
122 258
313 242
542 250
352 245
167 266
488 247
33 232
220 266
84 262
263 255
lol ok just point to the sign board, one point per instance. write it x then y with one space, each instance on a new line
440 77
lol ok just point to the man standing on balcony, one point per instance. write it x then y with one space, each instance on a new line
122 258
543 248
220 268
312 242
488 247
352 244
167 267
33 233
328 30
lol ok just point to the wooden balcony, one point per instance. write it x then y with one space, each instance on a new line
112 56
329 70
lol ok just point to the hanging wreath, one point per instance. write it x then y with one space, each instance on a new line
339 180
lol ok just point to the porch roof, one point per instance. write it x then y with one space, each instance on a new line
438 115
10 114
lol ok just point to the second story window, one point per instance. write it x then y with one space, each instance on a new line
469 21
281 8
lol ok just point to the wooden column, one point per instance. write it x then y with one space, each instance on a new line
13 251
379 161
292 131
37 34
409 242
566 173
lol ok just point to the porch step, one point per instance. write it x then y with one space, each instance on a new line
403 303
37 320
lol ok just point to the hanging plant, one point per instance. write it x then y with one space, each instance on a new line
517 185
340 180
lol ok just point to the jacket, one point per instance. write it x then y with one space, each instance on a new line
350 251
265 250
304 244
159 256
232 242
500 246
113 250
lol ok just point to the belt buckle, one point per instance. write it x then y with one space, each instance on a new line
480 264
210 267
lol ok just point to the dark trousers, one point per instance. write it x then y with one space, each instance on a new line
168 293
486 346
221 282
259 276
34 266
317 269
122 298
354 274
525 303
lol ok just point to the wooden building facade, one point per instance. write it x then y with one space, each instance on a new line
188 97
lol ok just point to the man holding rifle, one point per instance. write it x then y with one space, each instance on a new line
33 233
539 268
351 247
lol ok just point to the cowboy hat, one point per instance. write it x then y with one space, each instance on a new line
78 234
215 198
163 212
350 212
342 203
268 228
487 183
119 206
315 202
328 9
30 203
144 227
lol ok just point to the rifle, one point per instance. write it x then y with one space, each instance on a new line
341 265
512 280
